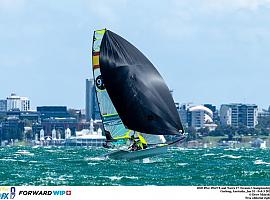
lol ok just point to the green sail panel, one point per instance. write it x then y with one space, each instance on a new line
110 118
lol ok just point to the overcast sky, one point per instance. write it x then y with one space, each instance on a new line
208 51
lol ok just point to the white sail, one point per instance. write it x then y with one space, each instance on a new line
154 139
109 115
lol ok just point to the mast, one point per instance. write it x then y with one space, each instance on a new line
112 124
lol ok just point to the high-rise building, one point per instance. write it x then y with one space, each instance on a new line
214 110
196 116
91 104
15 102
239 114
183 113
3 105
25 104
200 117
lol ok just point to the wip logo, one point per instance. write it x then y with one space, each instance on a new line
6 193
61 192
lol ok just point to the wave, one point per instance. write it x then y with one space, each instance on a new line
118 178
92 164
231 156
96 158
209 154
232 149
182 164
7 159
63 158
33 161
24 152
260 162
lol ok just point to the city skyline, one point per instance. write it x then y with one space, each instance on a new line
207 51
91 102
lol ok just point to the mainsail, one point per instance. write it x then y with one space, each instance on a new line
134 86
113 126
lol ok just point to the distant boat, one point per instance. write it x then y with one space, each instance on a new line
258 143
133 98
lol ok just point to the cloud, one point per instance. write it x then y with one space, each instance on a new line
219 18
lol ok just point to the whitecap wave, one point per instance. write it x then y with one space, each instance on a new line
176 148
23 161
232 149
209 154
92 164
51 150
7 159
33 161
96 158
231 156
118 178
24 152
260 162
63 158
182 164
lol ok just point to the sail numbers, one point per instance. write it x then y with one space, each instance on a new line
99 83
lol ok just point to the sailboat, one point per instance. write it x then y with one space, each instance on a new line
133 98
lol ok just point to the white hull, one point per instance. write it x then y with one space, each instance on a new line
137 155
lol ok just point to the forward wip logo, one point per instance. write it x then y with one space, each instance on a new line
5 193
45 192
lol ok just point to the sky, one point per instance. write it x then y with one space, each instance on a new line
207 51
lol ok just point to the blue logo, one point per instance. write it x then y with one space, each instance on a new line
61 192
7 195
12 192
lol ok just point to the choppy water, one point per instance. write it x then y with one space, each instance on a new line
86 166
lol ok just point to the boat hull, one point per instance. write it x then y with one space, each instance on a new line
137 155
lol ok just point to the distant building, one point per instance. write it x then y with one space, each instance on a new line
91 103
15 102
30 115
196 116
55 117
200 117
183 113
76 113
214 110
12 128
264 113
60 124
3 105
25 104
47 112
239 114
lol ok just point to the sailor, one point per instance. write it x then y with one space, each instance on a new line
138 143
108 135
134 145
142 142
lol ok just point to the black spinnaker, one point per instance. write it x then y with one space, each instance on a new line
137 90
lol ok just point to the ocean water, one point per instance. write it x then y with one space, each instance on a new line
88 167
